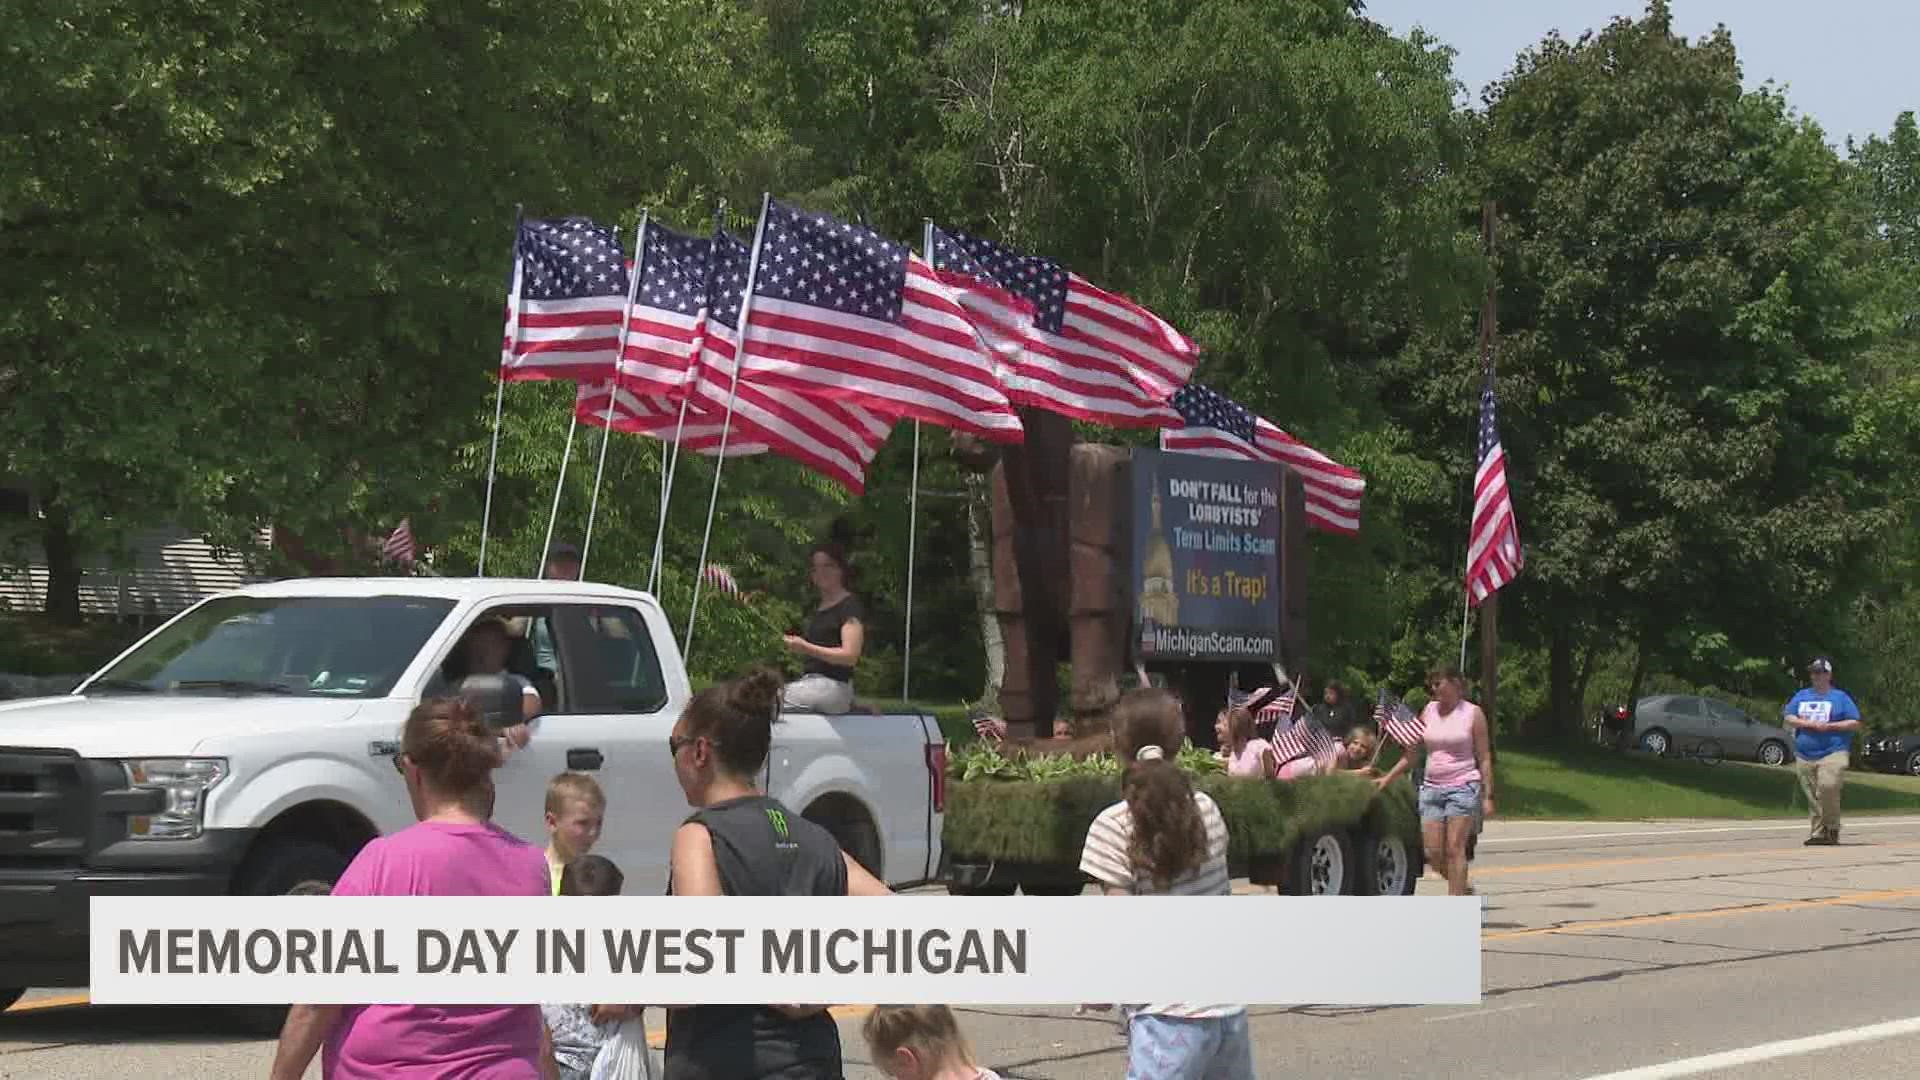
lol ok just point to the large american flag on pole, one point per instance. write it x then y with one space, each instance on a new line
1493 552
841 312
565 299
1066 345
656 417
680 347
1212 423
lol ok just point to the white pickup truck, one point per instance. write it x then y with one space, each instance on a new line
247 747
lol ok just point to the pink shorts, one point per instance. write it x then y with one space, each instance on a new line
1296 768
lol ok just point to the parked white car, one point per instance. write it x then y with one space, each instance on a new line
247 747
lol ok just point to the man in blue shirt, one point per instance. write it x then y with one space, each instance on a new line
1823 720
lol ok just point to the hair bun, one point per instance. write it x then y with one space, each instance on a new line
757 693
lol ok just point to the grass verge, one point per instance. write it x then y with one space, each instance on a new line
1548 781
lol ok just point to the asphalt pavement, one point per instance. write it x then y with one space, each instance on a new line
1630 950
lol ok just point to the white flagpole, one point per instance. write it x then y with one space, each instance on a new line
500 394
553 516
913 517
739 361
613 389
670 459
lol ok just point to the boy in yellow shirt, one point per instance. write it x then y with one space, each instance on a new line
576 809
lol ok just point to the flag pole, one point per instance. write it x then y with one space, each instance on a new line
613 388
913 518
553 516
500 393
1489 608
670 457
726 425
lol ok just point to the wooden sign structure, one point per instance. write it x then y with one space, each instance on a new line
1064 588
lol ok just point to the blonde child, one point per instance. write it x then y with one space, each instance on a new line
921 1042
576 808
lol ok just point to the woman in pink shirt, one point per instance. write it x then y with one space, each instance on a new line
447 757
1458 782
1245 755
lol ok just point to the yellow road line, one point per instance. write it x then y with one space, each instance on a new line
65 1001
1544 868
1705 913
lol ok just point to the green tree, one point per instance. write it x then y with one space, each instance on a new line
258 248
1681 323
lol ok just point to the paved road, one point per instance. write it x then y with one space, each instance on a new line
1670 948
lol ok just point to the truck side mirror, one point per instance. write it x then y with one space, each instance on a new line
495 697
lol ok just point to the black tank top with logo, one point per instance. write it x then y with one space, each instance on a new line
763 849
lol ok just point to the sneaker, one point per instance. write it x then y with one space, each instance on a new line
1821 840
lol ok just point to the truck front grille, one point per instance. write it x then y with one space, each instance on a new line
44 814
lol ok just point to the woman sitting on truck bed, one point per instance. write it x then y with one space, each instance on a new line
830 642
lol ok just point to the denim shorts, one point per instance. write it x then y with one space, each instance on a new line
1440 803
1175 1048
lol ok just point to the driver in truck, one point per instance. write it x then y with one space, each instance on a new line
486 648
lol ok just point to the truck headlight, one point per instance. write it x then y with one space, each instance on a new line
185 783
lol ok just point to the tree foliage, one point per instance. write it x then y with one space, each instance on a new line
259 256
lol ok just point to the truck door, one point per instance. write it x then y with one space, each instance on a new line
613 726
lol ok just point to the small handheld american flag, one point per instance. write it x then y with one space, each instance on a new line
1306 739
399 546
1396 721
720 580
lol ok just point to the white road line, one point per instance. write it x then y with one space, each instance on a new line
1850 826
1731 1059
1482 1012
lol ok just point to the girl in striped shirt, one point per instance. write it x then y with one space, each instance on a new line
1166 839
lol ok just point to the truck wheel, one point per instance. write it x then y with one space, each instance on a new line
1388 866
1322 864
283 868
9 995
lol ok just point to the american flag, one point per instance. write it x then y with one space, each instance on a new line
669 312
720 580
1493 553
399 545
1397 722
1306 739
656 417
568 293
1215 424
680 345
1066 345
1278 710
842 312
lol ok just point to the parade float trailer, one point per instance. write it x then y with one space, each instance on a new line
1185 569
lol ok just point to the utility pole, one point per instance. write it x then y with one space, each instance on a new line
1490 607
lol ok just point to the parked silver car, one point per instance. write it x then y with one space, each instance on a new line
1666 723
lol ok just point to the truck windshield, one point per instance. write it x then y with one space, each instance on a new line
354 647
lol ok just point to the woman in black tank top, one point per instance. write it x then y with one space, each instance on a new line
740 842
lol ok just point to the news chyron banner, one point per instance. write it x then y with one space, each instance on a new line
1206 557
746 950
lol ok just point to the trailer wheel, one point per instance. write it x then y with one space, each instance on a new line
1322 864
1389 866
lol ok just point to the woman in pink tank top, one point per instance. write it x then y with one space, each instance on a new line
1458 783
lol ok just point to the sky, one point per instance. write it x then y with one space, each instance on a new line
1850 65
